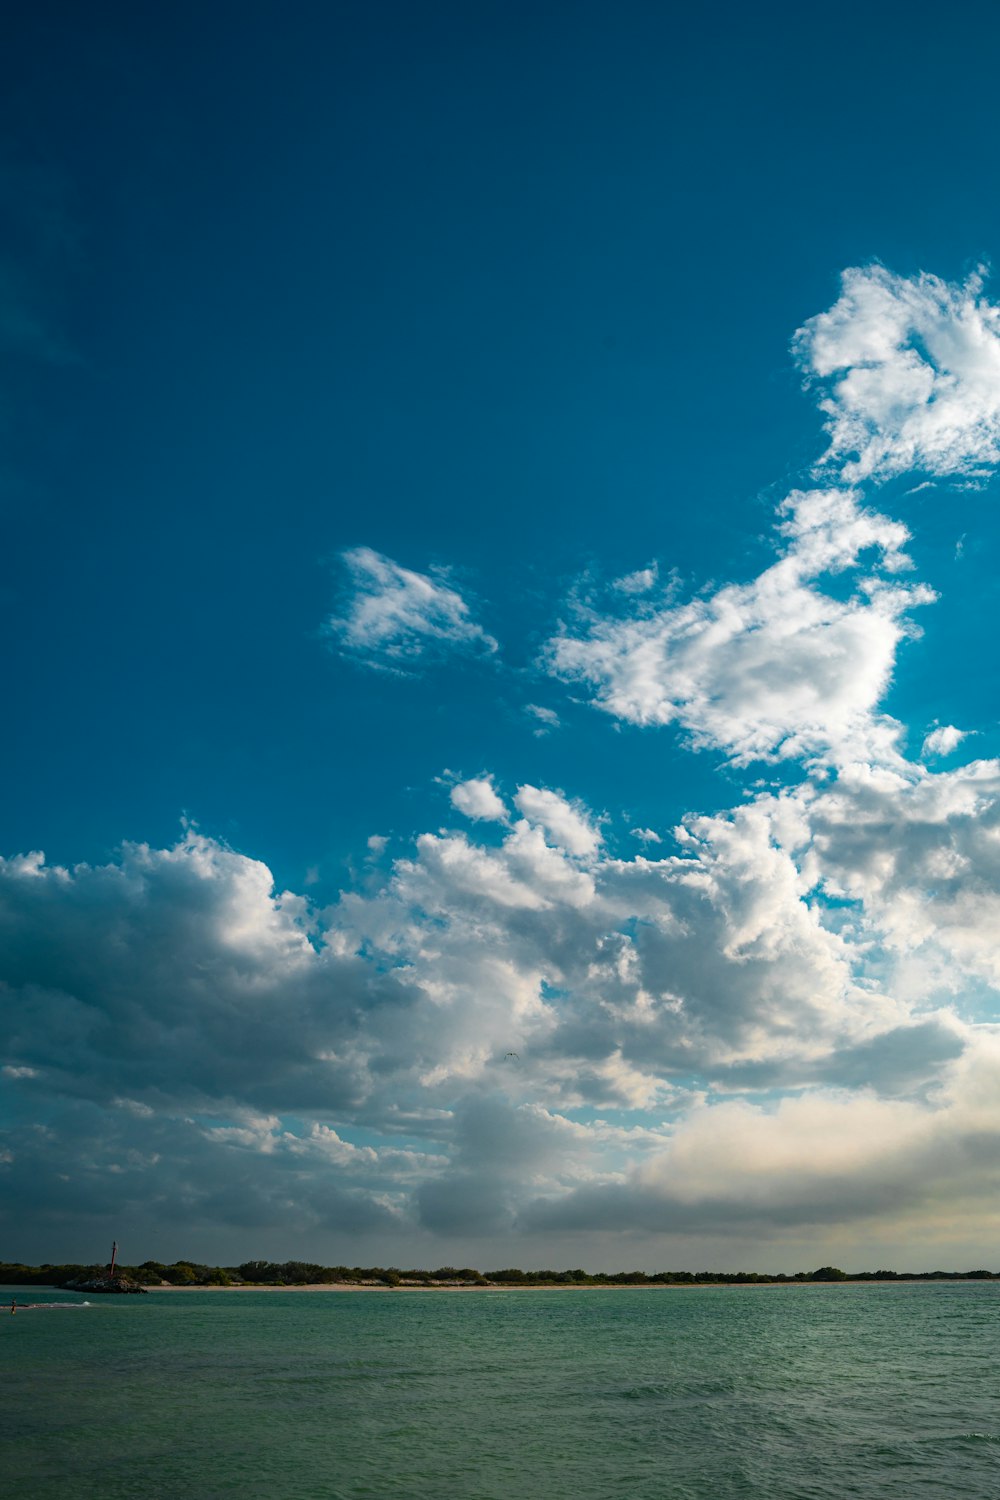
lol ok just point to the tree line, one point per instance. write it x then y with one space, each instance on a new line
304 1273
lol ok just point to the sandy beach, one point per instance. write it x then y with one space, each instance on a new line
544 1286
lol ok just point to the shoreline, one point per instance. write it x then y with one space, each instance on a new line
14 1288
550 1286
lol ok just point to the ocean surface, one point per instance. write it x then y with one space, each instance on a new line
809 1391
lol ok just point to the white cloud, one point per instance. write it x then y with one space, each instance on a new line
921 856
943 740
546 718
706 960
175 978
526 874
478 800
639 582
134 1107
795 1009
911 371
828 1157
774 669
169 975
566 823
394 616
177 982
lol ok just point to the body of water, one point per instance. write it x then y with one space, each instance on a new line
887 1392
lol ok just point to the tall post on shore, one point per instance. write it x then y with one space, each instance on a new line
114 1257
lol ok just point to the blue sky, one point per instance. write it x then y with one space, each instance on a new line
500 542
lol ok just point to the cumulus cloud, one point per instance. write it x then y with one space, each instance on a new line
606 976
921 857
179 978
778 1018
477 799
176 1186
825 1158
187 1023
770 670
567 825
943 740
393 616
909 368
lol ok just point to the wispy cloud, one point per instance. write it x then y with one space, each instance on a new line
546 719
639 582
394 617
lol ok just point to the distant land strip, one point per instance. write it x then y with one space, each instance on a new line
297 1273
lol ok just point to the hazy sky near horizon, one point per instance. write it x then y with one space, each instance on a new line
500 554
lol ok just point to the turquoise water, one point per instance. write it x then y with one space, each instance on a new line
821 1392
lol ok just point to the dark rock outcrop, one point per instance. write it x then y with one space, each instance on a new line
104 1283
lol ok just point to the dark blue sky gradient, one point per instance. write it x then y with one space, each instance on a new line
503 288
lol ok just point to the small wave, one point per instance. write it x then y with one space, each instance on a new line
949 1440
680 1392
676 1394
46 1306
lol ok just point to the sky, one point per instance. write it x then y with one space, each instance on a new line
499 560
